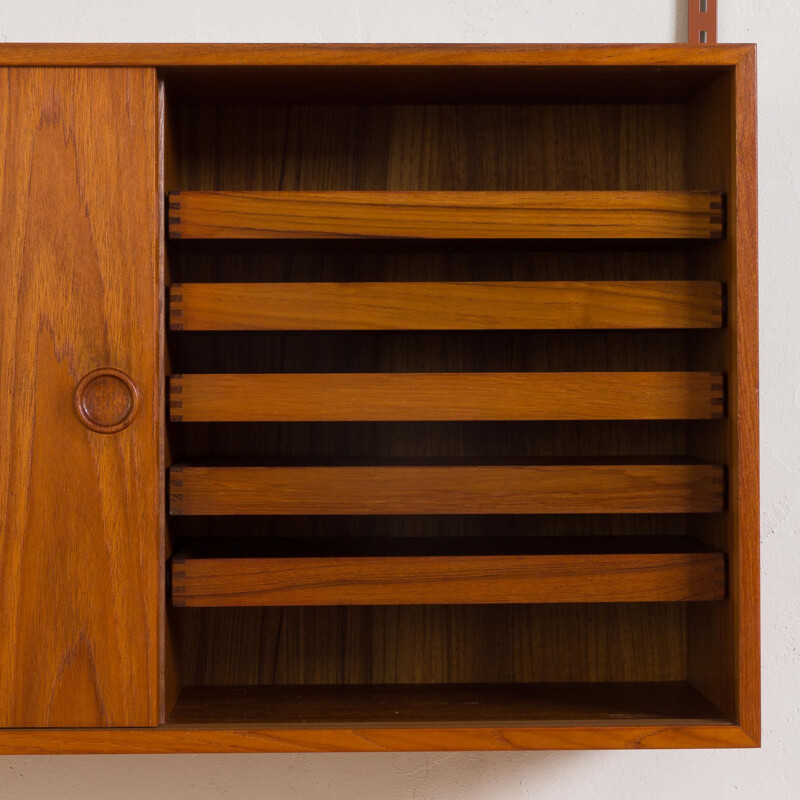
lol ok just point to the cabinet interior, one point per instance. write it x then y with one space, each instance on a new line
447 130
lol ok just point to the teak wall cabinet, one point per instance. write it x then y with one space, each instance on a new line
378 398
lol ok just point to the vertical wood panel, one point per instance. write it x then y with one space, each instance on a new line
743 428
80 517
724 639
170 670
340 645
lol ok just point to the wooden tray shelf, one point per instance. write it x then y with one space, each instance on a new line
433 305
598 488
425 704
446 215
449 396
561 570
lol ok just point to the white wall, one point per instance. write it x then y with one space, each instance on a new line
773 773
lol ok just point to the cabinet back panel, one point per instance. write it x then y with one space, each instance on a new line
186 529
432 147
489 442
343 261
433 644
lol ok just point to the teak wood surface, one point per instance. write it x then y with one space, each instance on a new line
469 704
416 118
80 515
562 489
612 734
446 396
446 215
435 305
340 55
566 578
724 641
744 429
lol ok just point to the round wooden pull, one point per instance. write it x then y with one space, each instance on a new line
106 400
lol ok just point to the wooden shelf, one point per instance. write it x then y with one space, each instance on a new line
529 570
425 704
431 305
457 410
596 488
446 396
446 215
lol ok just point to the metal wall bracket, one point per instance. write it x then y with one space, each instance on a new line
702 22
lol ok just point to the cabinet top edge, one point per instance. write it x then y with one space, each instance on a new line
372 55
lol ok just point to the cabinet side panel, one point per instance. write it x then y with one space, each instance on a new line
723 639
79 520
748 623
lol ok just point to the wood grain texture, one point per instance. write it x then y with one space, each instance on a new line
745 434
350 118
445 215
608 735
565 578
334 55
574 489
106 400
454 83
168 179
479 705
353 645
410 73
442 145
530 147
724 642
709 631
79 589
436 305
446 396
258 145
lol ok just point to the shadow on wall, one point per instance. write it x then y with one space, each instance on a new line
320 776
433 776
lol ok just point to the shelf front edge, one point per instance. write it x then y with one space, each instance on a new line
186 54
174 739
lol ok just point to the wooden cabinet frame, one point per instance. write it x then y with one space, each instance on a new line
472 168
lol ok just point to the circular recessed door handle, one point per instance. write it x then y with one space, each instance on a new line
106 400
